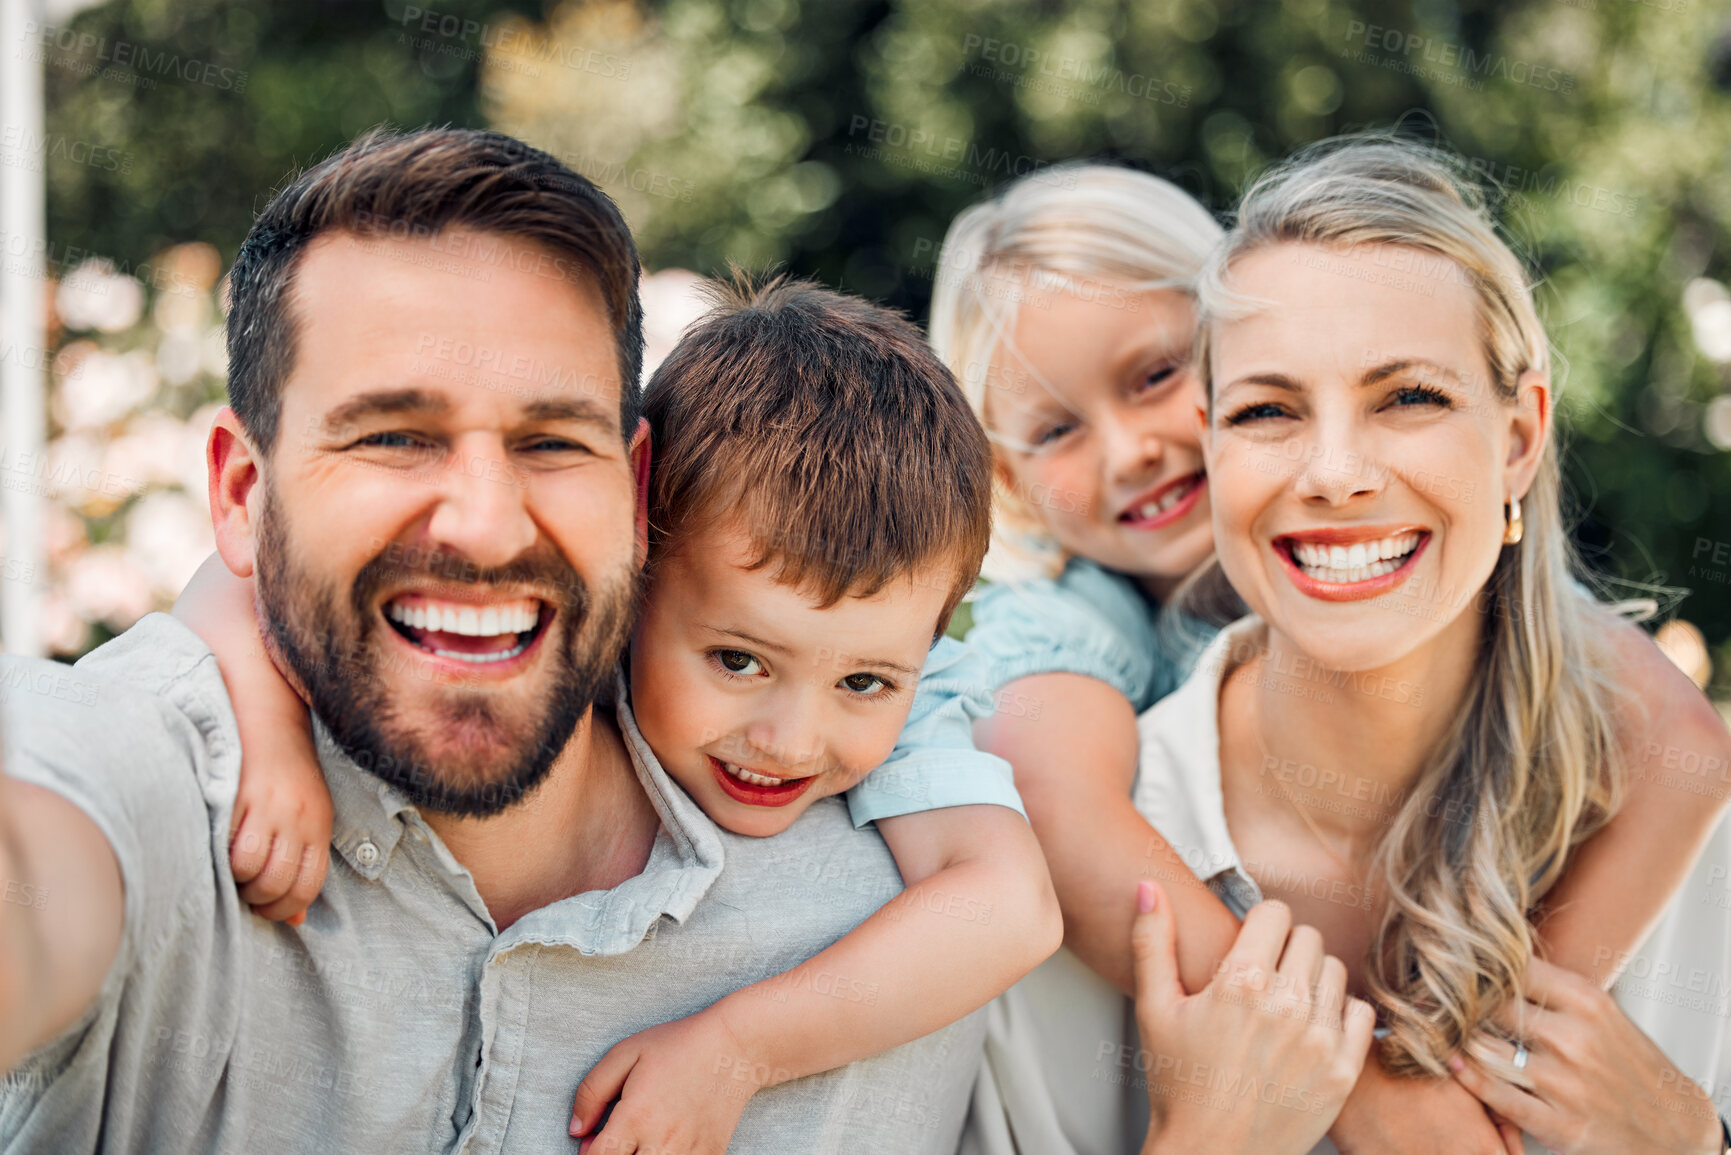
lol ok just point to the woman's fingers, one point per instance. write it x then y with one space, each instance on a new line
1331 998
1528 1112
1301 962
1154 941
1254 957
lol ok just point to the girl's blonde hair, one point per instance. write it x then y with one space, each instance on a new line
1075 228
1532 765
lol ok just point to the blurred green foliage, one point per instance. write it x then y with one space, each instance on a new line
840 138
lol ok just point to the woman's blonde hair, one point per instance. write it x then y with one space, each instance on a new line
1074 228
1532 765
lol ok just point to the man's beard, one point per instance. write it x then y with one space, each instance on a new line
505 742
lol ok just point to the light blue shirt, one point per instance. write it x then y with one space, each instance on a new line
934 764
1089 621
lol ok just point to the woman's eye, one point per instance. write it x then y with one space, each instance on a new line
1420 395
865 684
738 662
1259 411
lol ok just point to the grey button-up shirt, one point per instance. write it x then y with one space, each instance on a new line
399 1018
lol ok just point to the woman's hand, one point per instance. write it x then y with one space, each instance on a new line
1261 1060
1600 1086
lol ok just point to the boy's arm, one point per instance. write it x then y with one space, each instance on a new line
977 914
279 842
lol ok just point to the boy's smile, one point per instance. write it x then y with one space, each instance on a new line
759 701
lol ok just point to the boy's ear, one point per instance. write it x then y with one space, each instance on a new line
640 453
232 468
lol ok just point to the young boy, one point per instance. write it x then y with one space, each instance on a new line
818 505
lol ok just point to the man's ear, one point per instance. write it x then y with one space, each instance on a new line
232 464
640 452
1529 430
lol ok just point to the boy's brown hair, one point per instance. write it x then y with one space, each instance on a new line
829 429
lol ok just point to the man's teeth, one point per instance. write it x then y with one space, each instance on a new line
1166 500
1361 561
480 659
456 618
755 779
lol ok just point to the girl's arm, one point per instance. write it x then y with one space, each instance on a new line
1075 762
1678 754
280 838
978 914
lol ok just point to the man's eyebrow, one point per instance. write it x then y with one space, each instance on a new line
384 402
772 647
572 409
1392 368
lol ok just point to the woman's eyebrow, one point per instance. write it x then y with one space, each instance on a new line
1274 380
1402 365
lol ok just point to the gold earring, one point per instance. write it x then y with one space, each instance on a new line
1512 527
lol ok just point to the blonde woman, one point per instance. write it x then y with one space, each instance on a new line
1066 310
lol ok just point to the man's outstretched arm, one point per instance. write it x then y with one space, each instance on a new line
61 916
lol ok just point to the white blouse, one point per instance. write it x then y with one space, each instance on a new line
1060 1073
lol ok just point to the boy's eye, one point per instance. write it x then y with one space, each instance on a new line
738 662
865 685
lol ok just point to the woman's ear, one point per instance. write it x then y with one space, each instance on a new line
1529 430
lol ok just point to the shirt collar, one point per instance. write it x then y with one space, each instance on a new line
370 817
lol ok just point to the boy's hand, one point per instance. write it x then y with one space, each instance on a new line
279 844
680 1088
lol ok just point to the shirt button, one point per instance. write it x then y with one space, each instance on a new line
367 854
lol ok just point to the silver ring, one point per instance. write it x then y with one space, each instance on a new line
1521 1057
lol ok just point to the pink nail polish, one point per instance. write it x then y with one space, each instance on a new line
1144 896
1455 1063
576 1125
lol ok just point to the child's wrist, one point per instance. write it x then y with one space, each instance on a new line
746 1054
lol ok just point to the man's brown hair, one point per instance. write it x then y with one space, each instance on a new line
420 184
828 429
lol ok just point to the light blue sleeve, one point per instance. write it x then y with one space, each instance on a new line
1087 621
934 764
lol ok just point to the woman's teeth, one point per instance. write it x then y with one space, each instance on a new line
755 779
1361 561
